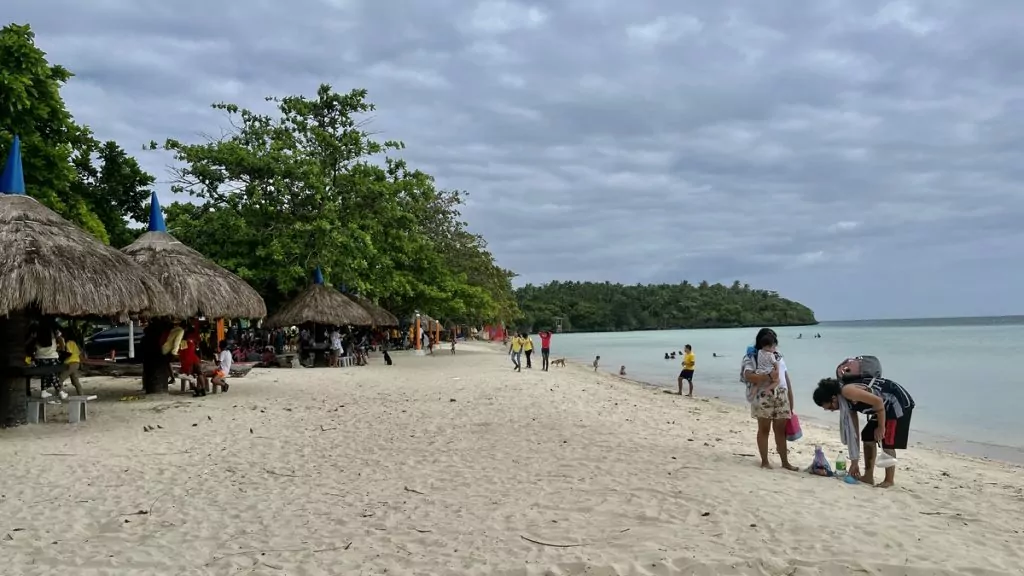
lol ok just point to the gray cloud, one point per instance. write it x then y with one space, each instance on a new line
860 156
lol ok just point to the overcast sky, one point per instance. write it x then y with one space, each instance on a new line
860 156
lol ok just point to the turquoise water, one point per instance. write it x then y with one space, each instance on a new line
964 374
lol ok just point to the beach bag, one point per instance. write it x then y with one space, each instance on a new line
793 431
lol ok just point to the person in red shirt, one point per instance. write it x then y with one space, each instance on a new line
191 365
545 347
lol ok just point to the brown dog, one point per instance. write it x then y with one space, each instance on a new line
559 362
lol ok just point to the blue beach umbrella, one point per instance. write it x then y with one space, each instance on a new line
12 181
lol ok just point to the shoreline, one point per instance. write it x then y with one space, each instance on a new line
986 451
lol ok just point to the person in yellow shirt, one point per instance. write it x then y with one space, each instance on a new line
689 363
72 355
528 348
516 352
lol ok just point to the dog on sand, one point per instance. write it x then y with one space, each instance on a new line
559 362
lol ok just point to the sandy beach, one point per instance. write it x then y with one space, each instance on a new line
456 465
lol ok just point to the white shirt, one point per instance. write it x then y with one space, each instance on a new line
225 362
782 374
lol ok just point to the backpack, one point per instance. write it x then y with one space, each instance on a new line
858 368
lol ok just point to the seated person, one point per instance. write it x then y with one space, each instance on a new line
223 370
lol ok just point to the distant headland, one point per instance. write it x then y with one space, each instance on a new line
607 307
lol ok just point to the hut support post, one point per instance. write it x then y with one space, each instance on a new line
131 338
156 369
13 396
418 336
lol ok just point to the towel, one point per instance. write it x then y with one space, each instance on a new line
847 432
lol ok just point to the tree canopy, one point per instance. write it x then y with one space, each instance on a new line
606 307
309 187
94 184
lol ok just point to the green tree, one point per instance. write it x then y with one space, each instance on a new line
97 186
308 186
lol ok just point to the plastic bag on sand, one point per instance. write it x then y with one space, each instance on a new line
820 465
793 431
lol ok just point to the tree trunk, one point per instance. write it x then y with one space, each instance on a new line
13 397
156 370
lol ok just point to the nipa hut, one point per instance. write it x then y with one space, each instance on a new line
320 304
196 285
49 266
381 317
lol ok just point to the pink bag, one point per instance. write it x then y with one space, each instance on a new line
793 431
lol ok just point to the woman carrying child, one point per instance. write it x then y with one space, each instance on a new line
770 394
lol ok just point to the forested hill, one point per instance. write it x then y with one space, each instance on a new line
606 307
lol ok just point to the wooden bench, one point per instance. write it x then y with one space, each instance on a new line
78 408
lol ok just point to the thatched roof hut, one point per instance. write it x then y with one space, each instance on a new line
196 285
49 264
320 304
381 317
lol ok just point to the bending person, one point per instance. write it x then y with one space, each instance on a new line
860 389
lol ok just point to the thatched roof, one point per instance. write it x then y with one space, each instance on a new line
320 304
381 317
425 321
49 263
196 285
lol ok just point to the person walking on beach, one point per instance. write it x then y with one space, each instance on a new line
528 349
689 363
770 396
72 355
597 362
545 348
516 352
859 388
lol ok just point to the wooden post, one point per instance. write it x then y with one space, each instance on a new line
13 399
220 331
156 370
416 334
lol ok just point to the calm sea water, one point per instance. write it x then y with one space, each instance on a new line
964 373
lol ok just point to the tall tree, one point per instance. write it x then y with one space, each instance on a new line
308 186
98 186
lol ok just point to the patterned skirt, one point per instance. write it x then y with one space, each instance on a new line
771 404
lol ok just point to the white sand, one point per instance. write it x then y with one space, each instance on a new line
443 465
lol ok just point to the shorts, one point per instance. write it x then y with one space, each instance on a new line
218 373
686 375
771 405
897 431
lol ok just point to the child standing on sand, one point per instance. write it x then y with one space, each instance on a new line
597 361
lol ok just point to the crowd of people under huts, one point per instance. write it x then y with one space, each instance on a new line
187 344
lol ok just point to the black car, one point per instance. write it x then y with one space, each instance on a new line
115 338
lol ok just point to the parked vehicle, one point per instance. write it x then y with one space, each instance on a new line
114 338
